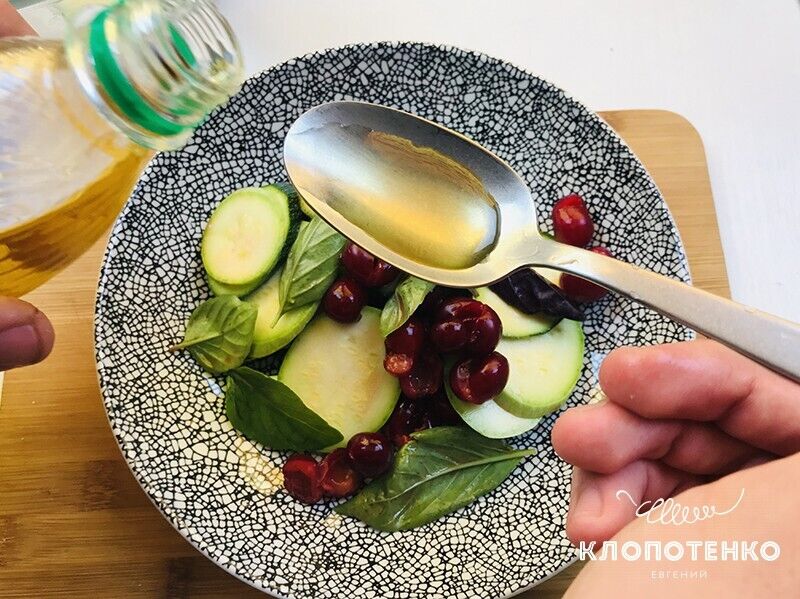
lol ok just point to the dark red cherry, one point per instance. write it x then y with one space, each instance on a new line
344 300
442 411
434 300
466 324
301 477
366 268
338 477
572 222
403 346
370 453
425 376
476 380
409 416
398 364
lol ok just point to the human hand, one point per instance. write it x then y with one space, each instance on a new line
11 23
676 416
26 336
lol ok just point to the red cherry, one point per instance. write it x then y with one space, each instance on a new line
572 222
409 416
581 289
398 364
476 380
338 478
408 339
403 346
344 299
425 377
466 324
301 477
371 453
434 300
366 268
442 411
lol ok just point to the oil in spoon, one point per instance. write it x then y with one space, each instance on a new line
414 200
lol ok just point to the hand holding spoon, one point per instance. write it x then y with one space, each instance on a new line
441 207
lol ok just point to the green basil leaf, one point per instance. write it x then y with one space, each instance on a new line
265 410
406 298
219 333
437 472
310 266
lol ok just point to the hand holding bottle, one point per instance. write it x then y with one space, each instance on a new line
83 123
26 336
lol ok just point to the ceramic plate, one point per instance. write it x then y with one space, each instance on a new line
222 492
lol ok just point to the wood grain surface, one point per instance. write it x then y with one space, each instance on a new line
73 521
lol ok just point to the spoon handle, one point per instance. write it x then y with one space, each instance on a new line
770 340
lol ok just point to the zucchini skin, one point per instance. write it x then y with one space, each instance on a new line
295 218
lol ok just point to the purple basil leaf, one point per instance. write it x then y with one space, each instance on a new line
529 292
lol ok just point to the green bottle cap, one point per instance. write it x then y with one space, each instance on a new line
119 88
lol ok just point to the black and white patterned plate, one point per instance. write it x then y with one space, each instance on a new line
223 493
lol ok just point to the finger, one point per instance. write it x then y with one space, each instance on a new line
606 437
26 336
601 504
704 381
745 505
11 23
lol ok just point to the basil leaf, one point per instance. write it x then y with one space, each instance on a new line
437 472
310 266
406 298
265 410
219 333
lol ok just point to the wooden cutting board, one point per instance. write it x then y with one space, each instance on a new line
74 522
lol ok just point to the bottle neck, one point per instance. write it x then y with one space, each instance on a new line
155 68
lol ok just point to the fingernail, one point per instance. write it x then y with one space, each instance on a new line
19 346
589 502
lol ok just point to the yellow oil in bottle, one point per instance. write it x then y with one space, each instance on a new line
37 249
65 172
77 118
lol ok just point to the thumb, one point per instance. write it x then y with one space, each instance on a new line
601 504
26 336
11 23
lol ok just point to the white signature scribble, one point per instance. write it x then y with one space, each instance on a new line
669 511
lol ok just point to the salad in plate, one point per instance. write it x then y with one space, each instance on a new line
403 388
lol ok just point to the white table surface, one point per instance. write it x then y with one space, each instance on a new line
732 67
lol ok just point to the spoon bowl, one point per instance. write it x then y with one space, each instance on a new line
462 210
441 207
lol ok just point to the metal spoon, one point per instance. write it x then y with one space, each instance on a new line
441 207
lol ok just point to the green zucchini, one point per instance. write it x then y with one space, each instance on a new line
274 330
249 234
